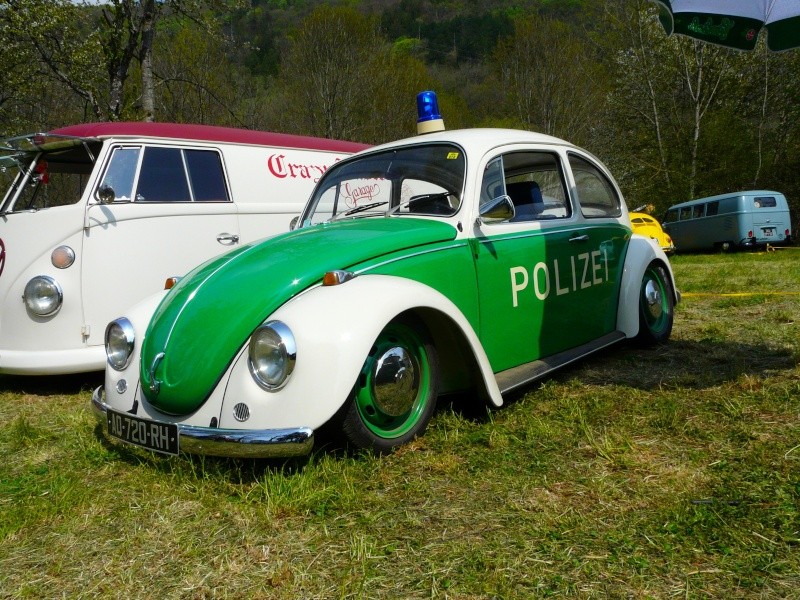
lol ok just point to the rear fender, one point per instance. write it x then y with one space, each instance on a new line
641 252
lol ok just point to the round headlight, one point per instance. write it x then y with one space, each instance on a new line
43 295
272 355
119 343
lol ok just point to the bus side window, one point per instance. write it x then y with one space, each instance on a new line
671 216
697 212
686 213
712 208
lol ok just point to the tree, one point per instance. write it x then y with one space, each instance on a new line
549 81
341 80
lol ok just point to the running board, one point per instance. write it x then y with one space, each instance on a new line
515 377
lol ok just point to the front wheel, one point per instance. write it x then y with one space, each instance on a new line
395 394
656 306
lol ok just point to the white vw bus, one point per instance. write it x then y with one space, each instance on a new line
96 217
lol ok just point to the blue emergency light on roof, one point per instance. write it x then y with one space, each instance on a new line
428 117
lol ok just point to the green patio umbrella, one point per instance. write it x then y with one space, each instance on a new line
734 23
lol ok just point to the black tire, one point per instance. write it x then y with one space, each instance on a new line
656 306
395 395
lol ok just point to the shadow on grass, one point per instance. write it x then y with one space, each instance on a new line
680 364
46 385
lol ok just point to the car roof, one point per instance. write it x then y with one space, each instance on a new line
212 133
481 139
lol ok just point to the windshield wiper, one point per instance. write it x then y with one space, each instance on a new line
356 210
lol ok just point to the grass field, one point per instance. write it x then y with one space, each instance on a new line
670 472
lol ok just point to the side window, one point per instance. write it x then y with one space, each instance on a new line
534 182
206 176
596 195
121 172
492 185
712 208
697 211
671 216
162 177
686 213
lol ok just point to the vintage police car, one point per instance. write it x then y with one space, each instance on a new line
475 260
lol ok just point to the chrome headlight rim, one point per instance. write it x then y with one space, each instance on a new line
272 355
119 357
31 296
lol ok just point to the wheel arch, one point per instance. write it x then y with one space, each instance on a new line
642 252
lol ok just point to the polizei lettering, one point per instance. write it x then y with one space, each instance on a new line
282 168
580 272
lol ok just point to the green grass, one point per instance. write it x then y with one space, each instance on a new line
669 472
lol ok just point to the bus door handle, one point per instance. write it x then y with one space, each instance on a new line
579 238
228 239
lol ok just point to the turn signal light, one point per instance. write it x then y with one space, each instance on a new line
170 282
337 277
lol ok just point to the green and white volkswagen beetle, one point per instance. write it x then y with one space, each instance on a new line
457 261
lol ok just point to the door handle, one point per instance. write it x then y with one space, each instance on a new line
579 238
228 239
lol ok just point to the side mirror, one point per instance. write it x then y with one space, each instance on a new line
106 194
293 223
498 210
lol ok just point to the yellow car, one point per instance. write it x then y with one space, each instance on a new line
645 225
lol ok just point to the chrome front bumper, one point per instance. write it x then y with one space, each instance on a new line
233 443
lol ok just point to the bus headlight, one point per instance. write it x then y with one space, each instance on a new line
272 355
43 296
119 343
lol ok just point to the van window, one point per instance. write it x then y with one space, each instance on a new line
595 192
686 213
205 175
712 208
671 216
765 202
697 211
166 175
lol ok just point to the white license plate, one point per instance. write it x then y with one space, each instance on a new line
153 435
768 231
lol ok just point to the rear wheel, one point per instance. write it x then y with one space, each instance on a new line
656 306
395 395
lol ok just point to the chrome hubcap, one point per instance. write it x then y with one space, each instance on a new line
395 382
652 295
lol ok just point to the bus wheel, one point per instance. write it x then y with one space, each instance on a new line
656 306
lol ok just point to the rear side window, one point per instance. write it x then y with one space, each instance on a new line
765 202
712 208
161 174
596 195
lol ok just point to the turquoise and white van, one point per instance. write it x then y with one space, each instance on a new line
728 221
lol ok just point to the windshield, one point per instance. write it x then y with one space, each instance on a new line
418 180
37 180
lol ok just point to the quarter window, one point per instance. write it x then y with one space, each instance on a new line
596 195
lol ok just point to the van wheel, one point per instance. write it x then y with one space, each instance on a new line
395 395
656 306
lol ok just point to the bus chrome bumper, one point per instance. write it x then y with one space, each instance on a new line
233 443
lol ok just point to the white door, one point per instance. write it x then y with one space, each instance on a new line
171 211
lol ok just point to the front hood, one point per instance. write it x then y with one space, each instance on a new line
207 317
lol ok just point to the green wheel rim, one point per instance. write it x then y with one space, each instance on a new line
654 301
394 386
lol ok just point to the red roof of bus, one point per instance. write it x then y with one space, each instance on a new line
208 133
